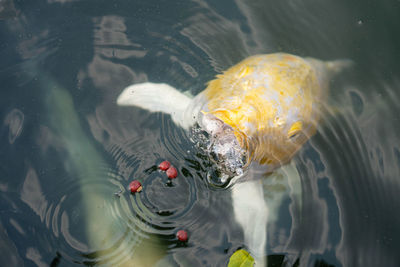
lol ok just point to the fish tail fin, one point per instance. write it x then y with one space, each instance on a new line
157 97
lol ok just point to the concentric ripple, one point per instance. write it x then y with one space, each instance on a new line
163 202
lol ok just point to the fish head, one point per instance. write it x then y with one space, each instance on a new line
261 110
224 149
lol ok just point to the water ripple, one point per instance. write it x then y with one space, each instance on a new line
85 215
163 203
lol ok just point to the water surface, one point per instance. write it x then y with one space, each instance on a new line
67 148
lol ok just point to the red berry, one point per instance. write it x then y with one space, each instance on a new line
135 186
172 172
182 235
164 165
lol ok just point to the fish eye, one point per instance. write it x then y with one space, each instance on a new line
295 130
294 136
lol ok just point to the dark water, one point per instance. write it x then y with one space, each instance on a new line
67 148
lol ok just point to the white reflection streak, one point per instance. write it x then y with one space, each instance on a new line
32 194
212 32
34 255
258 33
109 31
185 66
17 226
15 121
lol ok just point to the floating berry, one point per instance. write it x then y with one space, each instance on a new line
135 186
164 165
182 235
172 172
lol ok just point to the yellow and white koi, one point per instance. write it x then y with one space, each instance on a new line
263 110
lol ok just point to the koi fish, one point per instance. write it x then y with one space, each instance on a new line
257 114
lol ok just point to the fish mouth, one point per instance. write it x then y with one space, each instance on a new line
224 150
229 164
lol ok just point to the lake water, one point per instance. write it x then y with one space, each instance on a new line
68 152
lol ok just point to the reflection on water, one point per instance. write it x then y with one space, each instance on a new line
66 148
14 120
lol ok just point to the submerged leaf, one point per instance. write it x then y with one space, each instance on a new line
241 258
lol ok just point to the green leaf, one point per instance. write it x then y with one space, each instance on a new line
241 258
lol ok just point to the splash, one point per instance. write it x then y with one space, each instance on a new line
218 141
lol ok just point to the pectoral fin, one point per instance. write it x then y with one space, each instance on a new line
251 213
158 97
